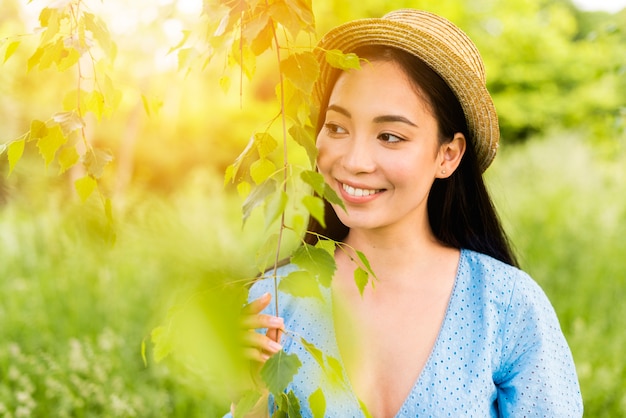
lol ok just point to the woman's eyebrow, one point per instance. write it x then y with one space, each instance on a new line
339 109
377 119
393 118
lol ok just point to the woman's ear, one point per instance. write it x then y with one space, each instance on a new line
450 155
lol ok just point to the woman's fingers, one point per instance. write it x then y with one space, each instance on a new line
259 347
257 305
262 321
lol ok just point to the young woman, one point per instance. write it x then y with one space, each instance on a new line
451 326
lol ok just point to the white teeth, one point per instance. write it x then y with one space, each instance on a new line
358 192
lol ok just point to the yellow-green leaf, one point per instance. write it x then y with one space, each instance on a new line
14 153
49 144
38 129
67 158
52 54
305 137
261 170
95 104
274 207
361 277
266 254
317 401
68 58
35 59
11 48
85 187
315 206
302 69
143 353
301 284
265 144
337 59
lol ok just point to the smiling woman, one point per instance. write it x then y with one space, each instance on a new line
452 326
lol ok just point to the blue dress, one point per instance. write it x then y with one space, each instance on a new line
500 351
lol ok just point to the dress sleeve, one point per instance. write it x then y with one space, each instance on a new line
537 376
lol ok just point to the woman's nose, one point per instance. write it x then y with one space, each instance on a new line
359 156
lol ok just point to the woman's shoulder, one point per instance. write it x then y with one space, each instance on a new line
504 283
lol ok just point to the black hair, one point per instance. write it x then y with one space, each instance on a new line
460 210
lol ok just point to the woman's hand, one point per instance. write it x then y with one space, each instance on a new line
259 347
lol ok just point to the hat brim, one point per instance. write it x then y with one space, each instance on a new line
470 90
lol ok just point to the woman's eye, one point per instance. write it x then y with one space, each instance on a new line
333 129
390 138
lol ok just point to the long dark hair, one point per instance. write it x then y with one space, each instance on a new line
460 210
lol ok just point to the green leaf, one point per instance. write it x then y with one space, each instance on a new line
11 48
257 197
302 69
315 206
327 245
290 404
315 352
317 402
143 353
337 59
266 255
14 153
265 144
305 137
274 207
317 261
315 180
361 277
331 196
246 403
301 284
261 170
85 187
365 262
67 158
95 160
279 370
49 144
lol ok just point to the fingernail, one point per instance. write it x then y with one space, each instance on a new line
276 322
274 346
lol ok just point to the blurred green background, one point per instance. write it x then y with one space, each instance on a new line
74 309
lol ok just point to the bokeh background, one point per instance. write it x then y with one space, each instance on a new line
74 309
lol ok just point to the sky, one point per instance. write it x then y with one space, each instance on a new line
607 5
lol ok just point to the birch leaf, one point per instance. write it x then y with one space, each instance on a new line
279 370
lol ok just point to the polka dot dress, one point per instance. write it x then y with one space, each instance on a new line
500 351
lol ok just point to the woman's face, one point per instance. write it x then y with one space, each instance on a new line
379 149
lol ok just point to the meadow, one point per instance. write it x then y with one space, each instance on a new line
75 309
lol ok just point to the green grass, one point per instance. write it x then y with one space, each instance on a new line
74 310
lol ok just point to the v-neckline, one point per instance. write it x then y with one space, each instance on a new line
427 364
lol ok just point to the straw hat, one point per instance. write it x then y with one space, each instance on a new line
443 47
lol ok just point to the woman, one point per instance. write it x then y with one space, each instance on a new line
451 326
